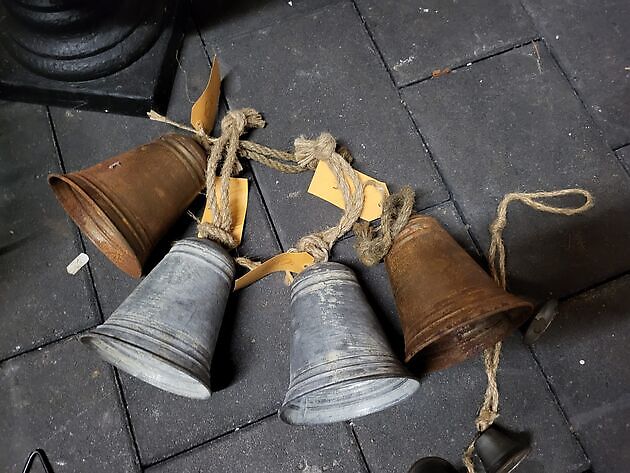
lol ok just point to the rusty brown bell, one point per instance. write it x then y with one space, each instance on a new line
449 307
127 203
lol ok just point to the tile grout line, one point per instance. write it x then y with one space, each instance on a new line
254 176
276 22
208 441
350 426
556 400
623 164
595 286
97 303
497 52
422 138
589 114
44 345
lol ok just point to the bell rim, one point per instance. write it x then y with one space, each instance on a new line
403 376
98 342
519 309
514 460
101 230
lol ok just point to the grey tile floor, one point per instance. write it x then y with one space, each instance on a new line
538 98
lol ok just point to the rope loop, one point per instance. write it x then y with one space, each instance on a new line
489 410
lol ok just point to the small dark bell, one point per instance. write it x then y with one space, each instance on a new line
432 465
500 450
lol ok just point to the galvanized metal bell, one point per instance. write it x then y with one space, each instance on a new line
449 307
500 450
341 365
126 204
165 332
432 465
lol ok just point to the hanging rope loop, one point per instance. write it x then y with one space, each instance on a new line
489 410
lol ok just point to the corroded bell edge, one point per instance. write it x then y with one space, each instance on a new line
110 345
517 313
105 235
82 208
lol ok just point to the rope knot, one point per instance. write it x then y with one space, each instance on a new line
217 234
316 245
309 152
237 121
397 209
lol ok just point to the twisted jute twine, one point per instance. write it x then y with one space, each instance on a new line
489 410
373 244
309 153
225 150
280 160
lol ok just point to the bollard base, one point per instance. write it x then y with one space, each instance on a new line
143 85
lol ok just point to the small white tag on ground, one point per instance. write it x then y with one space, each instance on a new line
77 263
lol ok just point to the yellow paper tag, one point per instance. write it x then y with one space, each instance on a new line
291 262
204 110
238 205
324 185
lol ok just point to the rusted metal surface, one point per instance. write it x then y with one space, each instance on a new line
127 203
341 365
449 308
165 332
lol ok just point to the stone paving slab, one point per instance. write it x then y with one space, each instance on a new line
591 41
585 355
417 38
624 154
65 402
225 19
41 302
511 123
325 81
271 446
439 418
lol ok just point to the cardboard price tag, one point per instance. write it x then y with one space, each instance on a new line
204 110
284 262
238 205
324 185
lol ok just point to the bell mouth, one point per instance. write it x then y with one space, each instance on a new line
515 461
95 224
148 366
346 400
462 341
